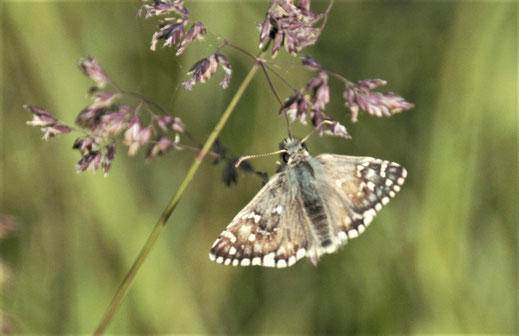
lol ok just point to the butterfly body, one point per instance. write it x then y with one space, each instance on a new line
311 207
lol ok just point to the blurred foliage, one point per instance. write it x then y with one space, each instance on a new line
440 258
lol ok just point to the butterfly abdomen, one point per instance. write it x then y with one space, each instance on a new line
312 203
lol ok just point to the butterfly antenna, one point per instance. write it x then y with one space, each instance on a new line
327 122
246 157
288 125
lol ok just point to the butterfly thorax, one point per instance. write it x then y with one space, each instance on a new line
296 151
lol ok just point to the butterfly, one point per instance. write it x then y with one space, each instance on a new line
310 207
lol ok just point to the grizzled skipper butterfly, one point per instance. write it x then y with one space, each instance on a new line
311 207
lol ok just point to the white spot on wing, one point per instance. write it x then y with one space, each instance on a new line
361 228
255 216
279 209
245 262
343 236
400 180
292 260
331 248
281 263
367 220
245 229
371 186
378 206
212 257
300 253
389 182
368 216
235 262
383 169
268 260
256 261
252 237
219 259
232 251
227 261
369 212
353 233
230 236
396 188
385 200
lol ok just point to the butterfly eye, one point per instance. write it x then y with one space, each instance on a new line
286 157
304 146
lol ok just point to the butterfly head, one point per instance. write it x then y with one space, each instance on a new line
295 151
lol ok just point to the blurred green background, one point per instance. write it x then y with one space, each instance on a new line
440 258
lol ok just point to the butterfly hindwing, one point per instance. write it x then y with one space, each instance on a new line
260 233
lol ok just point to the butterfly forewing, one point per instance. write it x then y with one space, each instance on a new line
269 231
356 188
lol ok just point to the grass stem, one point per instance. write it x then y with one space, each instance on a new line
155 233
